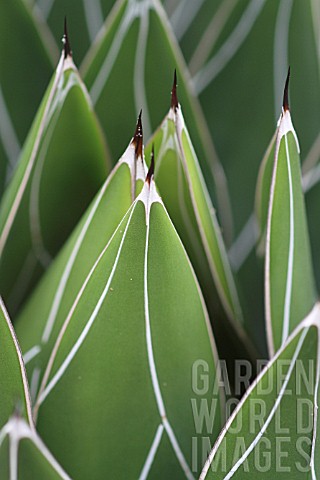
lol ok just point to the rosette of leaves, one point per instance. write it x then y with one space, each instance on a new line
111 279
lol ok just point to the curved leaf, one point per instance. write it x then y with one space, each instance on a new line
136 41
289 282
13 381
273 432
121 368
63 164
23 455
40 321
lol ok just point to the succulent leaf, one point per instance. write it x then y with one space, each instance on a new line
126 351
289 281
62 165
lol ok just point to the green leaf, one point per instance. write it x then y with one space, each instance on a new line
194 22
138 39
51 301
182 187
273 432
23 455
63 163
13 381
25 69
289 282
122 365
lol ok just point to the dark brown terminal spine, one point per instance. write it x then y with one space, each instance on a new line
174 97
65 40
285 103
138 137
151 168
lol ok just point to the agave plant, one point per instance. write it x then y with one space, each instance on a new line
158 273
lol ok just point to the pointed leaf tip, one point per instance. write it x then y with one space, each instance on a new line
151 168
65 40
286 93
138 137
174 97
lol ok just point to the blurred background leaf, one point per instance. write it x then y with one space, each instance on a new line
86 18
27 51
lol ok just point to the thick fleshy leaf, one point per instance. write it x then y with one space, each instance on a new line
25 61
23 455
40 321
289 282
274 431
14 390
182 187
63 164
122 365
136 41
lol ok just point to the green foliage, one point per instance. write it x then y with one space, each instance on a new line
128 274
